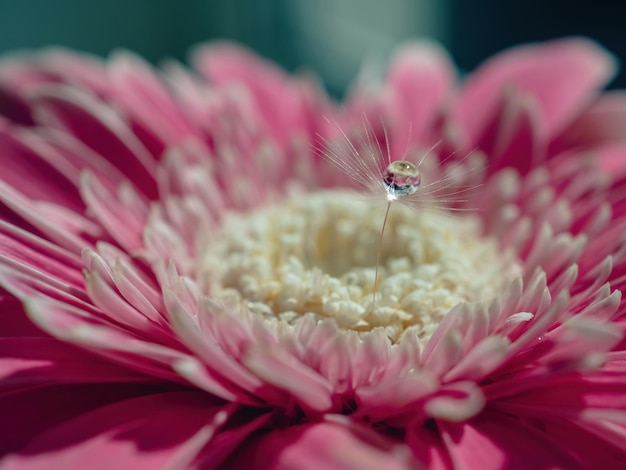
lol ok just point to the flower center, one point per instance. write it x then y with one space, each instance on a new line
316 255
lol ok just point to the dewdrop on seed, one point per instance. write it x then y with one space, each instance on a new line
401 178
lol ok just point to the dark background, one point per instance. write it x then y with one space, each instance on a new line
329 36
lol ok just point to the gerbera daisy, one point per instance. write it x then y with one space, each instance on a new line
187 283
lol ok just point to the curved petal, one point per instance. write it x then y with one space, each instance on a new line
37 179
47 406
141 92
287 107
562 75
141 433
15 323
420 78
14 107
100 128
44 361
329 445
502 442
604 122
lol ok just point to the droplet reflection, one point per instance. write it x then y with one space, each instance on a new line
401 178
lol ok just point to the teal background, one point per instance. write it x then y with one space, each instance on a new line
331 37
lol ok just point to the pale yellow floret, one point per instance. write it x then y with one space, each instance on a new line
316 255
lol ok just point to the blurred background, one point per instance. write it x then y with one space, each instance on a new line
331 37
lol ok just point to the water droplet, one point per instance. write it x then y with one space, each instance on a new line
401 178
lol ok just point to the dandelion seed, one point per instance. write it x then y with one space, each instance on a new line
366 162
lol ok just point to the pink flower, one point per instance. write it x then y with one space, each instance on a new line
179 292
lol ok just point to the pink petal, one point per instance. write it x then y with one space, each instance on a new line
21 72
498 442
587 445
36 178
229 442
80 69
562 75
427 445
47 406
456 402
404 357
335 361
76 326
140 91
604 122
447 352
14 107
97 126
25 283
520 142
480 361
420 77
188 331
612 159
394 395
29 71
568 396
22 249
141 433
286 107
71 155
15 322
327 445
228 63
120 311
306 386
34 213
124 214
45 361
371 358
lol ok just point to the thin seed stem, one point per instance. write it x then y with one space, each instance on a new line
380 247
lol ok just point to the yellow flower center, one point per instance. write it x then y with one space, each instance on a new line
315 255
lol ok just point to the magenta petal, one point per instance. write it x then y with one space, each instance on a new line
503 443
420 78
83 69
37 179
481 360
15 323
142 92
97 126
328 445
76 326
520 143
73 156
604 122
141 433
46 361
612 159
123 215
395 394
27 252
570 396
228 64
275 98
277 368
49 405
51 220
14 106
562 75
229 442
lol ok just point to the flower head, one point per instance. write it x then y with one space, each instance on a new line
187 284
